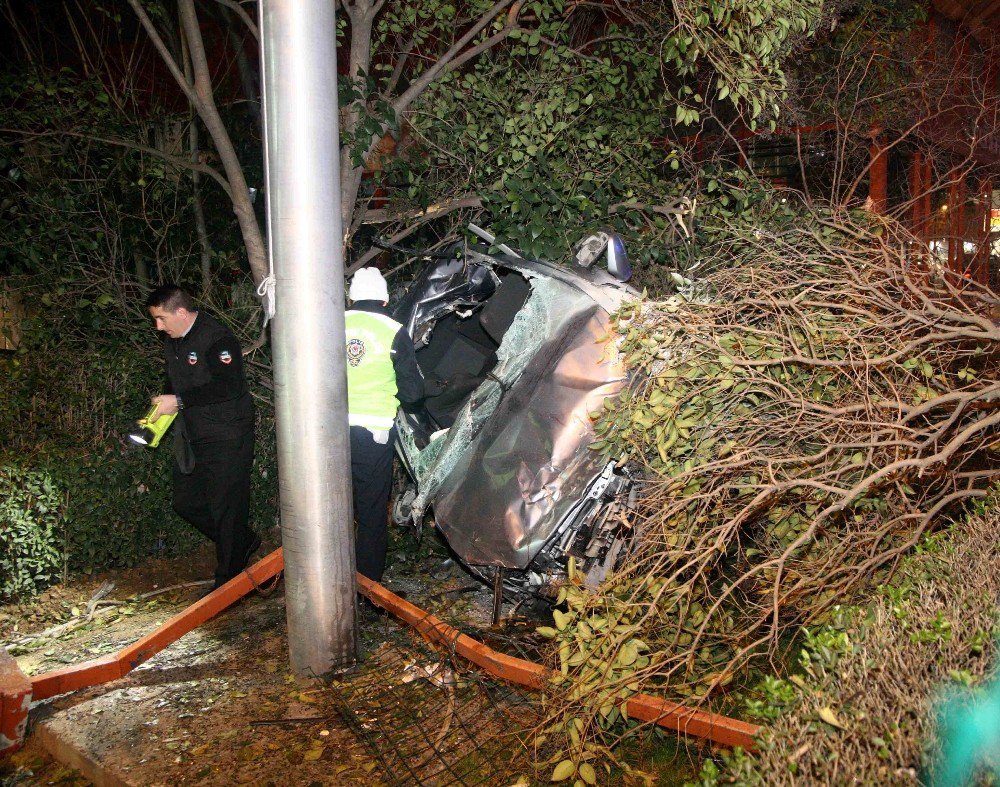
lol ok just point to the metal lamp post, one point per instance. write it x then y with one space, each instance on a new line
299 74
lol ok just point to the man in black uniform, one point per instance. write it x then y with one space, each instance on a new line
207 388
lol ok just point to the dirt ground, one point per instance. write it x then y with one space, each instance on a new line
220 706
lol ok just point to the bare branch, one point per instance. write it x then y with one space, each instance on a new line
455 56
181 162
243 15
418 220
168 59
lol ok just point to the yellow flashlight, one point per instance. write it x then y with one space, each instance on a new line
149 431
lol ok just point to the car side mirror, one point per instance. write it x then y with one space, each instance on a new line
611 245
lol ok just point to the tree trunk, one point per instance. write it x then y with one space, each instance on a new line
199 215
142 272
196 204
249 78
239 194
362 15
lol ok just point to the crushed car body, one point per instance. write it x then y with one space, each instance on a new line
515 356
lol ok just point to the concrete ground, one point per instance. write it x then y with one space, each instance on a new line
219 706
186 716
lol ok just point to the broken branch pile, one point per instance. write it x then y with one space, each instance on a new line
803 415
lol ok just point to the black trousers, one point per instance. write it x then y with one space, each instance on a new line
215 498
371 481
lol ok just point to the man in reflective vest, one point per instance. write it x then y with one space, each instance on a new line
382 373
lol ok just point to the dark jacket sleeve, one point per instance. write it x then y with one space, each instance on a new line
409 381
168 387
225 364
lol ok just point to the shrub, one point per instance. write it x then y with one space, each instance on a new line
31 508
863 706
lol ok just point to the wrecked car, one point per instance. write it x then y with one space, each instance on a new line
515 358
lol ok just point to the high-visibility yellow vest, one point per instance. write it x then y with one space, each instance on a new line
371 378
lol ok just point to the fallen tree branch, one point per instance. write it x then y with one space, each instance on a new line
92 611
802 415
423 217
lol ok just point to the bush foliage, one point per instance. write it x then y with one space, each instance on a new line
802 415
860 708
88 228
31 515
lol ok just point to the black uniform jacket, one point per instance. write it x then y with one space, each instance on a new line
205 370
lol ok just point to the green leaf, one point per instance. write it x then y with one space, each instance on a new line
563 771
561 618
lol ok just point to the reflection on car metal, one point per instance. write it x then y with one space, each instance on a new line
512 477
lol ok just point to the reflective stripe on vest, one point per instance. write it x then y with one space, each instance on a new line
371 378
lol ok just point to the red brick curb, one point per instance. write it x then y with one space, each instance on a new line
15 698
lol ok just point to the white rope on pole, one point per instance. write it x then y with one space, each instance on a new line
266 294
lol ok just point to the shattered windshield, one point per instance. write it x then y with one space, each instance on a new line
461 352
